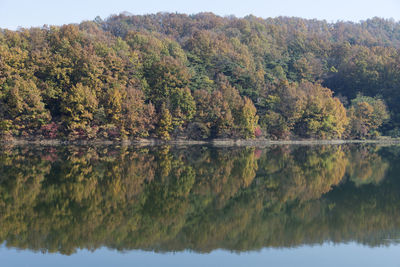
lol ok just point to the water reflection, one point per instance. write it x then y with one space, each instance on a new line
60 199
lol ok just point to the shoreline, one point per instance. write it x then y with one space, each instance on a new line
212 142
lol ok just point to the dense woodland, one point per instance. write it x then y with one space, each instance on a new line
59 199
201 76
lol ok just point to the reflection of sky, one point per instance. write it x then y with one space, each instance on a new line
308 256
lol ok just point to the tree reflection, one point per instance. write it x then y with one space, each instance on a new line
59 199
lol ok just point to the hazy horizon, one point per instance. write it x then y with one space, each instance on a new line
41 12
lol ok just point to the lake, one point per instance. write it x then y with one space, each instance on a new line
280 205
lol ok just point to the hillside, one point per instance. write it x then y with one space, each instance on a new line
201 76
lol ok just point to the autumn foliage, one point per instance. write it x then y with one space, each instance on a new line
200 76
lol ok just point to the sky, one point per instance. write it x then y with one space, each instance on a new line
29 13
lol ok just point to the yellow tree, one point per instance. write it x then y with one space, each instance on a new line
164 124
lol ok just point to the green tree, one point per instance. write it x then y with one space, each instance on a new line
164 126
305 110
366 115
248 118
78 106
22 105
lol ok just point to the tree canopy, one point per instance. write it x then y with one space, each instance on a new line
123 77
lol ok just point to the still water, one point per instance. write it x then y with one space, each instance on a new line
334 205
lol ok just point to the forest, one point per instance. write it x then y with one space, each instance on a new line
66 198
202 76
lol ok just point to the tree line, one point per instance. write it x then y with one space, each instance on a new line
201 76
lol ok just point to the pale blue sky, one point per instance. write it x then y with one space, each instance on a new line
27 13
